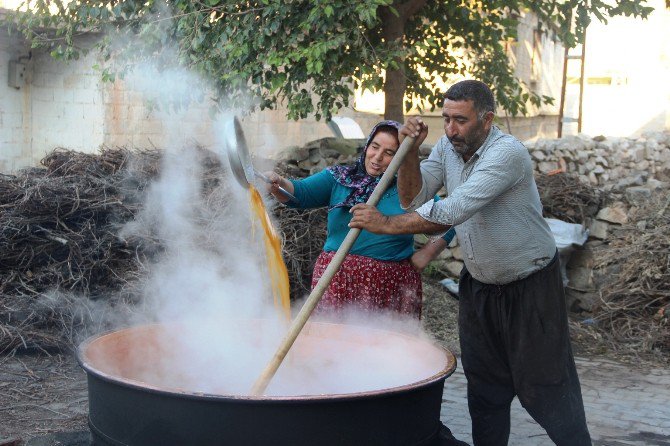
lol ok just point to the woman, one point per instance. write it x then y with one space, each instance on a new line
377 273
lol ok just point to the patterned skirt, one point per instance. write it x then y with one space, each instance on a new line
370 284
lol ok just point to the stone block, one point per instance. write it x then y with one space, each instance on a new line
318 167
546 166
638 153
598 229
293 153
637 193
580 278
642 165
579 301
454 268
538 155
446 254
305 164
613 215
314 155
654 184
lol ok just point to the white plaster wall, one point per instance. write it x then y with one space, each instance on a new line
66 104
14 109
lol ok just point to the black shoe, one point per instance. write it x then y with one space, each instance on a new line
446 438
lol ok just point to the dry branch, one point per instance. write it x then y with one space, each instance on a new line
565 197
635 300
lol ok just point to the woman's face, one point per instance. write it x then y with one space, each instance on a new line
380 153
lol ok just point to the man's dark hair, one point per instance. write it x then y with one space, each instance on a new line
477 92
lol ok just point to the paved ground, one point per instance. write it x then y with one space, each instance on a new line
623 407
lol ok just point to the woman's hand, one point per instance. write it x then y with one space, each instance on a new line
428 252
277 181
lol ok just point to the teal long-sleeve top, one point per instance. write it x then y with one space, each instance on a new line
321 189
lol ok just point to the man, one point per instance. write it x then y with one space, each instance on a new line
512 318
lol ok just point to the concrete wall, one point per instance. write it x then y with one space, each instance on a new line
15 123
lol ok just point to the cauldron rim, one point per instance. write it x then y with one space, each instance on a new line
448 370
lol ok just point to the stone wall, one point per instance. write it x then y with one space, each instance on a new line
606 162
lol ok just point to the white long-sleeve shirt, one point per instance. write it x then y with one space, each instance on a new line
493 203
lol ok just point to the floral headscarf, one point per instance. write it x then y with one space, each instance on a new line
355 176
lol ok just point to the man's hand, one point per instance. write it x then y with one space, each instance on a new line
416 128
369 218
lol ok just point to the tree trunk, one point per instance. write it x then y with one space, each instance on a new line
394 94
393 31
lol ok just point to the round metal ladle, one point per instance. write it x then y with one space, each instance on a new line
240 160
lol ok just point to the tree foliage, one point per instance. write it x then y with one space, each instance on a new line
310 55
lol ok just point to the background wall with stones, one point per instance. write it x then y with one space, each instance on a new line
626 170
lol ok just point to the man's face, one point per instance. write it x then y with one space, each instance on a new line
461 125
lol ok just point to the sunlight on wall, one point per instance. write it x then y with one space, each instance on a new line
15 4
627 65
10 4
369 102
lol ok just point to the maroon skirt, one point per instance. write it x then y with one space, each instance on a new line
370 284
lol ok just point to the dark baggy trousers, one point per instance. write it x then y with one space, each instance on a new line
515 342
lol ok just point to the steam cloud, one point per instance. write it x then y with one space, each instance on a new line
208 293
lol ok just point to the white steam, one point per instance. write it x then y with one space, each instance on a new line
208 291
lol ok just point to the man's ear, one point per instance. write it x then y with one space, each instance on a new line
488 120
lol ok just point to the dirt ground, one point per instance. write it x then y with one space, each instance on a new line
42 394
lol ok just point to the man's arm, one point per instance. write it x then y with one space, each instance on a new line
409 172
369 218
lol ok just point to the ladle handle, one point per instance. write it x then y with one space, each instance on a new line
286 193
315 296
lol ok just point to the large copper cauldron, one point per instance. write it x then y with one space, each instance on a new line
124 409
